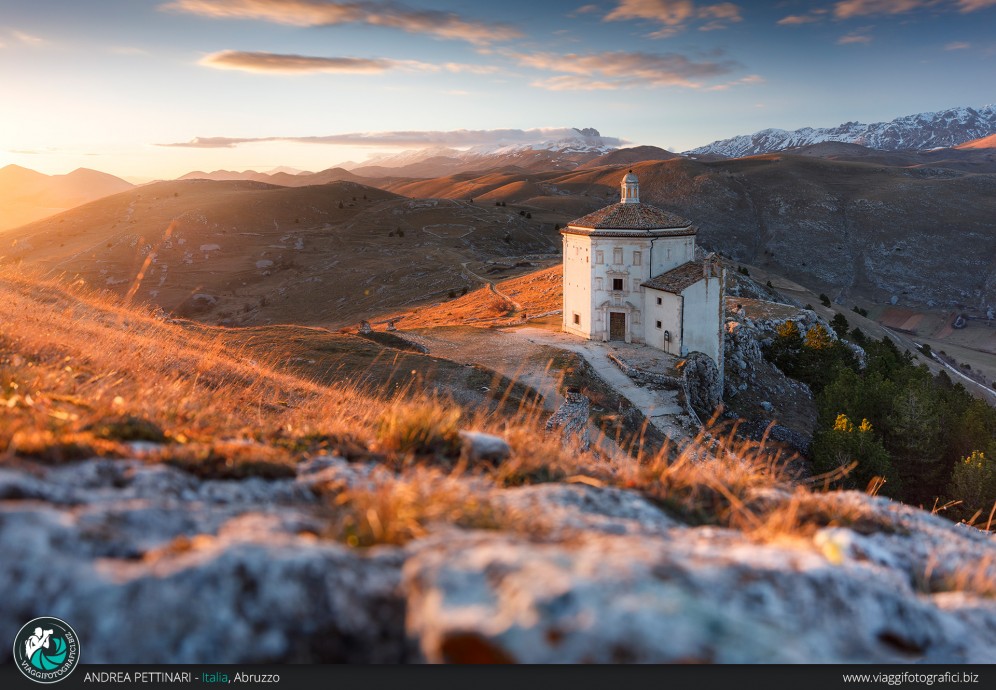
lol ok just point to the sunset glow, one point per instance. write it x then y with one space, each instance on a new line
107 84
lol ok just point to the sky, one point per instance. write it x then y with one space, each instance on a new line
152 89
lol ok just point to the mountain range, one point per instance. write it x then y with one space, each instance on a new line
27 195
942 129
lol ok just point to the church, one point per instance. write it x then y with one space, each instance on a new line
630 274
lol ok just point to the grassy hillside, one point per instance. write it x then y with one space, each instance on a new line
83 375
244 252
270 475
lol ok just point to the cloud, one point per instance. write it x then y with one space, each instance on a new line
584 9
856 36
613 70
278 63
743 81
569 82
675 16
811 17
863 8
448 25
973 5
411 139
958 45
28 39
293 64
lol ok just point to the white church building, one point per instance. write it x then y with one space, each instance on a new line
630 274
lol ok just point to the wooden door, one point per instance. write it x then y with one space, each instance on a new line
617 326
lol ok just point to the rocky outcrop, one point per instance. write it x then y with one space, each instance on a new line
571 419
702 383
742 352
701 595
151 564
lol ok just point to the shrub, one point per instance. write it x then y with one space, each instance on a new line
852 456
420 430
973 482
824 300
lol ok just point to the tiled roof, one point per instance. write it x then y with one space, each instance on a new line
677 279
630 217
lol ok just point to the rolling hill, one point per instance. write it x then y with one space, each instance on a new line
27 195
243 252
854 228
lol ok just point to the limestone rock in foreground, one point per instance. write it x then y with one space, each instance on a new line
153 565
696 595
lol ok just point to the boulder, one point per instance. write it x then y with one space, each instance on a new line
480 447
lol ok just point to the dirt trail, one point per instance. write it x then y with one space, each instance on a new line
491 286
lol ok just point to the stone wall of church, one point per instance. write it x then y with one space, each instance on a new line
578 300
671 252
619 267
667 336
702 320
603 275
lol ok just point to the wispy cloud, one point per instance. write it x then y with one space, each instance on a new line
613 70
958 45
449 25
815 15
973 5
861 35
675 16
27 39
866 8
459 138
749 80
278 63
292 64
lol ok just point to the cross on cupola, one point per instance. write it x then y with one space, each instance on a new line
630 189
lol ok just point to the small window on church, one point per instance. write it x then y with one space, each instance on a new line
617 255
599 257
617 284
658 325
637 258
577 320
659 302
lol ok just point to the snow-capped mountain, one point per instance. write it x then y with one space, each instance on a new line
565 152
918 132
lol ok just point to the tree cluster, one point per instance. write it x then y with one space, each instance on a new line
925 435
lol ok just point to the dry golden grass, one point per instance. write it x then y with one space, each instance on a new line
83 375
426 429
539 292
401 508
73 360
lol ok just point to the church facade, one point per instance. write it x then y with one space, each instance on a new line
630 274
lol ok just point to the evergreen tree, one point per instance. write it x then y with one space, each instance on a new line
839 325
